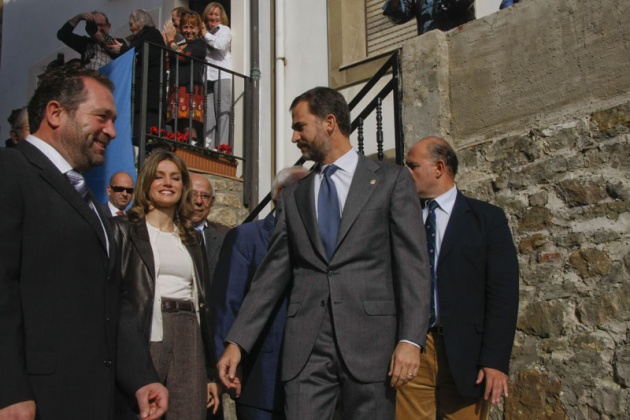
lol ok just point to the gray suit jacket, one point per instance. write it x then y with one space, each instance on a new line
377 280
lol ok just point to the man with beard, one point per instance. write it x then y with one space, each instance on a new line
92 48
350 252
67 340
213 233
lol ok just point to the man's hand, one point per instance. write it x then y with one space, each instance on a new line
24 410
496 384
404 365
227 365
213 397
152 401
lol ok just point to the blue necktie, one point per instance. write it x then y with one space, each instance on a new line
78 182
430 226
328 214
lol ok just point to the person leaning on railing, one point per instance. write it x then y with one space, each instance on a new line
179 102
143 30
218 37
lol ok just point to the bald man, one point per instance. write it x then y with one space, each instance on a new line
120 192
474 298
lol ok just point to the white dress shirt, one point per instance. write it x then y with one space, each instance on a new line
342 178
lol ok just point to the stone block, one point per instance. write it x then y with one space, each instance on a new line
608 306
613 117
622 366
536 218
590 262
542 319
539 199
580 192
530 243
535 395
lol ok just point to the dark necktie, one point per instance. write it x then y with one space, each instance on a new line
78 182
430 226
328 211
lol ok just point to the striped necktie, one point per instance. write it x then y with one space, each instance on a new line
430 226
78 182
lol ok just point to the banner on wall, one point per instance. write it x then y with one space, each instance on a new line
119 153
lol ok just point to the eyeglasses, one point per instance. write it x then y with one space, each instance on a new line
119 189
204 197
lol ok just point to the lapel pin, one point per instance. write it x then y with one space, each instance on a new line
372 182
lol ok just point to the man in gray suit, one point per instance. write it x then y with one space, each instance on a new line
357 302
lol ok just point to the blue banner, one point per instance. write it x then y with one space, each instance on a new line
119 153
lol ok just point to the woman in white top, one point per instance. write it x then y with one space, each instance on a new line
218 37
165 277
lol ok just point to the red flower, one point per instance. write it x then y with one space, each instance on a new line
153 131
170 136
225 148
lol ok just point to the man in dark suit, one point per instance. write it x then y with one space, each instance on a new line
348 249
475 299
262 396
67 339
120 193
213 233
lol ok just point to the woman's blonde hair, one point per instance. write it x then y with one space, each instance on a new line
224 17
142 202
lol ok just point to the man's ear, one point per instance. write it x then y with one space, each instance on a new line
440 168
54 114
330 123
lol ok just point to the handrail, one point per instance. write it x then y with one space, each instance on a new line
242 99
393 86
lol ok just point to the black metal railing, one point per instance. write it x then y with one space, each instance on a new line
159 126
394 87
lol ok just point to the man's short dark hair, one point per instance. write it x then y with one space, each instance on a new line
64 84
323 101
444 152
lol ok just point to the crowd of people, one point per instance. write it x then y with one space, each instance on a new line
371 290
201 107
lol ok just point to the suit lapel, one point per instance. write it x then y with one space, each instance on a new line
456 225
139 235
51 175
364 182
304 197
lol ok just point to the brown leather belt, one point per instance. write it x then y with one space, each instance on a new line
437 330
176 305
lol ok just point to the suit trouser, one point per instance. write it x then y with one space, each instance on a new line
312 395
180 363
433 392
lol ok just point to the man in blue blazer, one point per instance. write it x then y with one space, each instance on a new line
262 396
358 298
475 297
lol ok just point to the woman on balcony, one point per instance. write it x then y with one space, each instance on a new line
218 36
143 30
165 276
183 71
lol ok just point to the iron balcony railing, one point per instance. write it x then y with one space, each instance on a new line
151 128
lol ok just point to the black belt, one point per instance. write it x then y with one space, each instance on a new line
176 305
438 329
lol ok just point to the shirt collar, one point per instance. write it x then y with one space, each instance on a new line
51 153
447 200
347 163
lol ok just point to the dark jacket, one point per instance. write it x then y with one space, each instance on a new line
138 279
68 339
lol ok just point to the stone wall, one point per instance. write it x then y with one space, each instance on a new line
535 101
566 190
228 203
